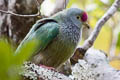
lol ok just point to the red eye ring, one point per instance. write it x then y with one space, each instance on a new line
84 17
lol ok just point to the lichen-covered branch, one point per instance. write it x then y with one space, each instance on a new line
95 66
35 72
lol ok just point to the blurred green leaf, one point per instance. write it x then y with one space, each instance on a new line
118 41
6 55
118 9
25 52
111 1
98 2
9 62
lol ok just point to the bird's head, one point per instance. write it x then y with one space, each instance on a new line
78 16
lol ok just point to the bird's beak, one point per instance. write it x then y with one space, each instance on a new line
86 24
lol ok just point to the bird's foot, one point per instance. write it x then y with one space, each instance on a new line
49 68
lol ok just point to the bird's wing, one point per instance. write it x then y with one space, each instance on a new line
39 24
44 31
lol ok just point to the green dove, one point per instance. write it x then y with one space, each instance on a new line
57 37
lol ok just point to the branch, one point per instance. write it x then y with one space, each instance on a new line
90 41
19 15
34 72
112 58
115 32
38 3
95 66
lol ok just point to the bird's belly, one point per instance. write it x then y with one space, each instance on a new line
57 53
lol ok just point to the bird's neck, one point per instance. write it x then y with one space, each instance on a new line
70 31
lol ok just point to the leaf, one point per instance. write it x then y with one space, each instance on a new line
25 52
118 9
118 41
6 55
11 63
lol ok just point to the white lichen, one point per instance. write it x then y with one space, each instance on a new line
95 66
35 72
82 71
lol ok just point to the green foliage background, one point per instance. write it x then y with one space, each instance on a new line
11 61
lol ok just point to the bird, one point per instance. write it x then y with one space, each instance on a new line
57 37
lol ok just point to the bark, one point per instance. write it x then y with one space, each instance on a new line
15 27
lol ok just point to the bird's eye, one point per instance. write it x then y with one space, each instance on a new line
78 17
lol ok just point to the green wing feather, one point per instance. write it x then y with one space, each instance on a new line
44 31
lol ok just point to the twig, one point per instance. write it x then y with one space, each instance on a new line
112 58
20 15
115 32
90 41
66 2
9 12
113 43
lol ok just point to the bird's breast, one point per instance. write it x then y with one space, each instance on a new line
57 52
